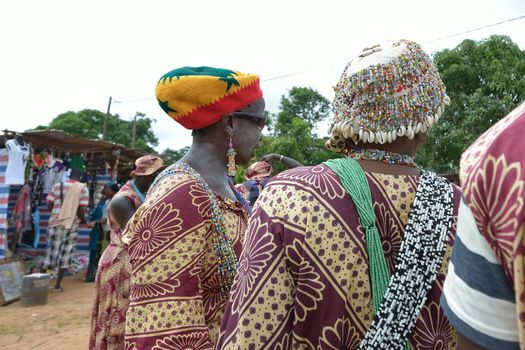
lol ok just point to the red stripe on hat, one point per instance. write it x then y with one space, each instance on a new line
207 115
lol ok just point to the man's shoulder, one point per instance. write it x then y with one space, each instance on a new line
318 179
303 172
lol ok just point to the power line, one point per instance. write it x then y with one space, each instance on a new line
475 29
426 42
285 75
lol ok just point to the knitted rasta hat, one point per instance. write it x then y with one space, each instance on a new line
384 93
197 97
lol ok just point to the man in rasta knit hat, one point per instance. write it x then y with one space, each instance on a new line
184 241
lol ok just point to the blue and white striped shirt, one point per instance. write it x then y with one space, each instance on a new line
477 297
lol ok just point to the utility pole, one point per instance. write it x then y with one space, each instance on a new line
104 130
134 130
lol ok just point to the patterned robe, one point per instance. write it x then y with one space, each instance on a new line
493 175
112 285
176 301
303 279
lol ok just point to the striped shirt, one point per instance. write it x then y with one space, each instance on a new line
54 197
4 199
478 298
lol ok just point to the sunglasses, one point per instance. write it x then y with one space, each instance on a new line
258 118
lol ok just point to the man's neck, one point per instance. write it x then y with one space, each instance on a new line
210 162
143 188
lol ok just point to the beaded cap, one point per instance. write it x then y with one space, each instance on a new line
386 92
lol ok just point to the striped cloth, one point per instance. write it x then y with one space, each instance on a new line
83 231
477 297
54 197
4 195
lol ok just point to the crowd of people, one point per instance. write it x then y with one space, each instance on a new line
364 251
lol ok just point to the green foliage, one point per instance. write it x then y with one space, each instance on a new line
90 122
171 156
291 132
288 132
304 103
485 81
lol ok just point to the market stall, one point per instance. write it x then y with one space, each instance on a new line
31 163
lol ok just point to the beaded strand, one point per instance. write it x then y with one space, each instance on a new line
420 257
226 259
381 156
397 301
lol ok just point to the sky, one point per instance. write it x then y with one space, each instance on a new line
59 56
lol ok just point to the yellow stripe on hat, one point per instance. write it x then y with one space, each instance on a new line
183 90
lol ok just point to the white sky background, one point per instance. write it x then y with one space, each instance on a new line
57 56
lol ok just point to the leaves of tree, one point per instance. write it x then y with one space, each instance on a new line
90 122
485 81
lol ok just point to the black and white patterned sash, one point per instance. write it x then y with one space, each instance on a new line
419 260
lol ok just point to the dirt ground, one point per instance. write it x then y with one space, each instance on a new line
64 323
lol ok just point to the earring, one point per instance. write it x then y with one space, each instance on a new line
232 167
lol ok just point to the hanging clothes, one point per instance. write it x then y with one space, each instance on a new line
22 210
36 227
4 199
16 165
77 162
39 159
53 175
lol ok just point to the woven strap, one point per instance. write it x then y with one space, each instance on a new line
355 183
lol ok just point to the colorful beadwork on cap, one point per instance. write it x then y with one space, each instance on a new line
402 96
197 97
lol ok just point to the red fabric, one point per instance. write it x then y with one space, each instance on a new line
258 171
112 286
209 115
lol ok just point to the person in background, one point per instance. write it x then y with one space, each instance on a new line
352 253
66 201
185 240
257 176
484 293
112 280
259 173
98 223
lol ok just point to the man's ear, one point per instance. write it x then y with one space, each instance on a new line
227 123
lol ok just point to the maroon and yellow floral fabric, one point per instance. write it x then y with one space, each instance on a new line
112 286
493 177
176 299
303 280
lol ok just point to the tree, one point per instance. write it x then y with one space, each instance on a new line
305 103
171 156
89 123
292 129
485 81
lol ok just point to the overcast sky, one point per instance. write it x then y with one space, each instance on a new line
58 56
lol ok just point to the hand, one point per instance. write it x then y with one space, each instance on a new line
91 224
269 157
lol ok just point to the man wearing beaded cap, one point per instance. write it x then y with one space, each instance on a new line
185 239
352 253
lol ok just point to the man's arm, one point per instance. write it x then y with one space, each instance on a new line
82 204
287 161
50 199
122 209
465 344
